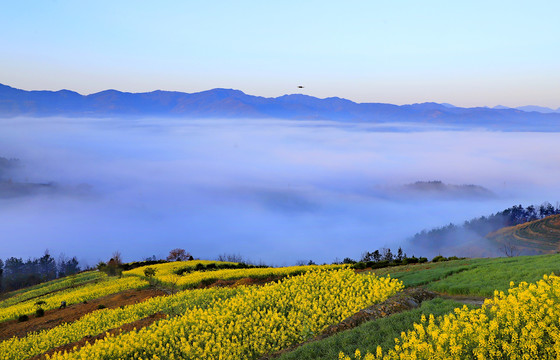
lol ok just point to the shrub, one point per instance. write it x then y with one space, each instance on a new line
380 264
150 271
101 306
359 265
422 260
39 312
439 258
23 318
412 260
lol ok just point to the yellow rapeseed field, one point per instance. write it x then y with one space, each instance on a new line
256 321
166 273
172 267
52 286
74 295
102 320
522 324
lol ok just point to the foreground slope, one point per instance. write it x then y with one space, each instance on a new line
230 323
210 311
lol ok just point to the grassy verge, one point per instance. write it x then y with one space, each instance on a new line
496 274
478 277
369 335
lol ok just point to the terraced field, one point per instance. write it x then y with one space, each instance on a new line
197 310
535 237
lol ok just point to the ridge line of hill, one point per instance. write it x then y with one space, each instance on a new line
229 103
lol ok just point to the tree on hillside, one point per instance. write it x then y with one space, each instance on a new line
510 250
67 266
47 266
236 258
15 273
399 254
113 267
179 255
387 254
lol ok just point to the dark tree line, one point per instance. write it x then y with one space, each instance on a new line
381 258
484 225
15 273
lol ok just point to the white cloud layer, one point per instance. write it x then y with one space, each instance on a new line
276 191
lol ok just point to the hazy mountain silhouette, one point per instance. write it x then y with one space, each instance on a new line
227 103
540 109
438 189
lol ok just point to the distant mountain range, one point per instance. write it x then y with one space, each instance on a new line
227 103
529 108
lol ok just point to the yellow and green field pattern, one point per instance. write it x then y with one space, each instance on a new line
167 273
51 286
86 292
256 321
522 324
102 320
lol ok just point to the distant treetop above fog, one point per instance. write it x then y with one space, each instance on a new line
439 187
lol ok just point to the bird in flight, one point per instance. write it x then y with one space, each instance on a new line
300 86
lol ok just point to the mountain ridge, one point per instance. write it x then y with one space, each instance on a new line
231 103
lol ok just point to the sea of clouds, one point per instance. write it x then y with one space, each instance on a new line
275 191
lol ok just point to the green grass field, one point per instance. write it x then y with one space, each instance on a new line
473 277
478 277
371 334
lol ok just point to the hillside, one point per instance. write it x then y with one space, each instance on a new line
229 103
472 238
537 237
208 309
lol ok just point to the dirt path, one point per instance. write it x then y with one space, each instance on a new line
465 299
73 312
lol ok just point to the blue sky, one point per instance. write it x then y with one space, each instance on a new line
471 53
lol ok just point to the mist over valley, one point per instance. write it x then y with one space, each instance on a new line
276 191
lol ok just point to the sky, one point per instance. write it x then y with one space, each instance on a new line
467 53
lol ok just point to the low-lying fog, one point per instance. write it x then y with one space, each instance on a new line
273 191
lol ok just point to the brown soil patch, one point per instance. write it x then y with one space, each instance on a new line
92 339
73 312
406 300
